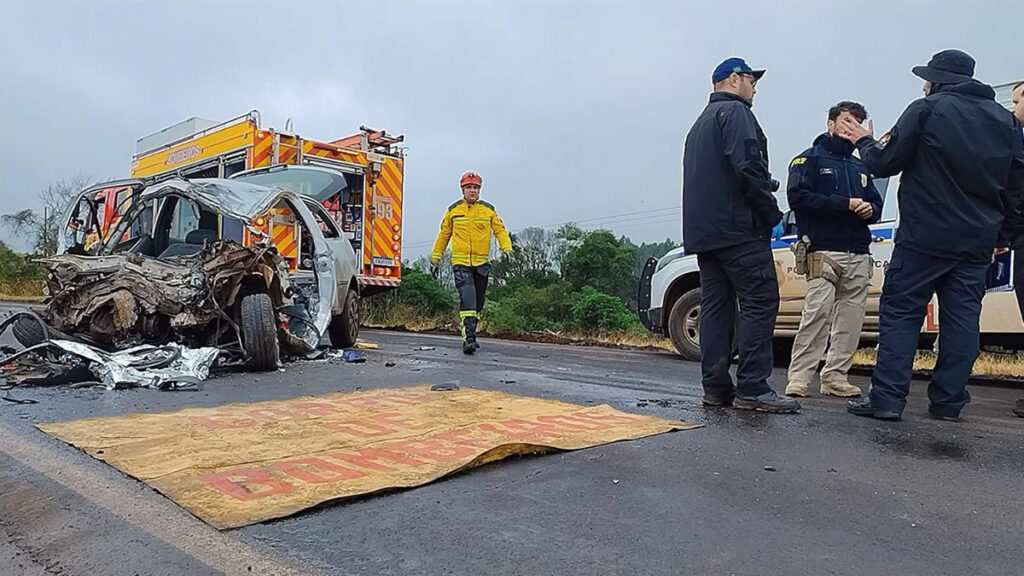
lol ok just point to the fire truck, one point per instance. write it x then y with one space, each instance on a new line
358 179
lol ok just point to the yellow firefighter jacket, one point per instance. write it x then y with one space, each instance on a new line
469 227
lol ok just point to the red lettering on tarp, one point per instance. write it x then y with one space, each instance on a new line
307 469
247 483
369 458
296 411
361 428
398 420
222 421
569 422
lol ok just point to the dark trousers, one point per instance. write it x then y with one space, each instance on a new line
910 281
1018 278
471 281
744 273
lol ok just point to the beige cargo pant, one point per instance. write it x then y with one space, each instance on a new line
840 305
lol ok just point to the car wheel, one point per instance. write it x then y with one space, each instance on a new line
344 328
684 324
259 332
28 331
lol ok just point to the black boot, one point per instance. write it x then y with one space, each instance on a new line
469 344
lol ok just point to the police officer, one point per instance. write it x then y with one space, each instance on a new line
960 153
469 224
729 211
834 200
1018 271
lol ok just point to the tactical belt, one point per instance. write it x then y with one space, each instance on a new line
815 264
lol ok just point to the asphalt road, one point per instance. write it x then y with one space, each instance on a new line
817 493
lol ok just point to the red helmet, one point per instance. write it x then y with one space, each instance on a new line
470 177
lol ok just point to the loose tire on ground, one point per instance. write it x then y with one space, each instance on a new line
259 332
28 331
684 325
344 328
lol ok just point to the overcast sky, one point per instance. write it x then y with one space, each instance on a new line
570 110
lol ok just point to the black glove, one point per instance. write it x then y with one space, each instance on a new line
775 185
435 270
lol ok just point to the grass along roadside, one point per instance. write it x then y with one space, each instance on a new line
1009 366
400 317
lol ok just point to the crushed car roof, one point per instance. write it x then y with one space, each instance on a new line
231 197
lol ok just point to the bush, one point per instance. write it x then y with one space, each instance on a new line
19 275
595 312
420 291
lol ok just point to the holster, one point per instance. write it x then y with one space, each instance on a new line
814 264
819 265
799 249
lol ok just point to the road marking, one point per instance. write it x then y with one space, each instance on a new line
157 517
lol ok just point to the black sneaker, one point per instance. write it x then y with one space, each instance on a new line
768 402
864 407
469 347
939 415
715 401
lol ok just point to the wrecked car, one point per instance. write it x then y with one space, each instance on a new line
198 263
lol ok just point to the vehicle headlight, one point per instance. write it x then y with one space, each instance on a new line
667 259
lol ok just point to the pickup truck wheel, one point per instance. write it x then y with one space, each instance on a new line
344 328
259 332
684 324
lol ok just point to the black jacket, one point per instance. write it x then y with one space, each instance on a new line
821 182
962 159
727 189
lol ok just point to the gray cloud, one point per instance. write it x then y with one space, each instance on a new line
570 110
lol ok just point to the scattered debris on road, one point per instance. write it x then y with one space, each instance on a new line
446 386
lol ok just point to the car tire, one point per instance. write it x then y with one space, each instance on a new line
684 325
259 332
344 328
28 331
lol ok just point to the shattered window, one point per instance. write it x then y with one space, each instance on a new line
185 219
327 225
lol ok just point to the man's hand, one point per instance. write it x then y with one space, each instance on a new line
1000 251
849 129
855 204
865 210
435 270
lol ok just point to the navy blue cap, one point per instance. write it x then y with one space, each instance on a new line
734 66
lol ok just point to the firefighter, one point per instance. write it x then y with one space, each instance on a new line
729 211
469 224
834 200
962 159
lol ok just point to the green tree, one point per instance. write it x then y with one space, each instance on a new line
42 225
604 263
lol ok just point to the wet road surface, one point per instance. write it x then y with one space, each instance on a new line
817 493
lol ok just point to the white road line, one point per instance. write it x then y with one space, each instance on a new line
158 517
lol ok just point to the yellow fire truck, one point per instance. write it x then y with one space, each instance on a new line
358 179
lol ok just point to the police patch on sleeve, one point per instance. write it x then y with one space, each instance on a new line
798 161
863 180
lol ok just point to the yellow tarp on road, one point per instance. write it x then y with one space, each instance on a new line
239 464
